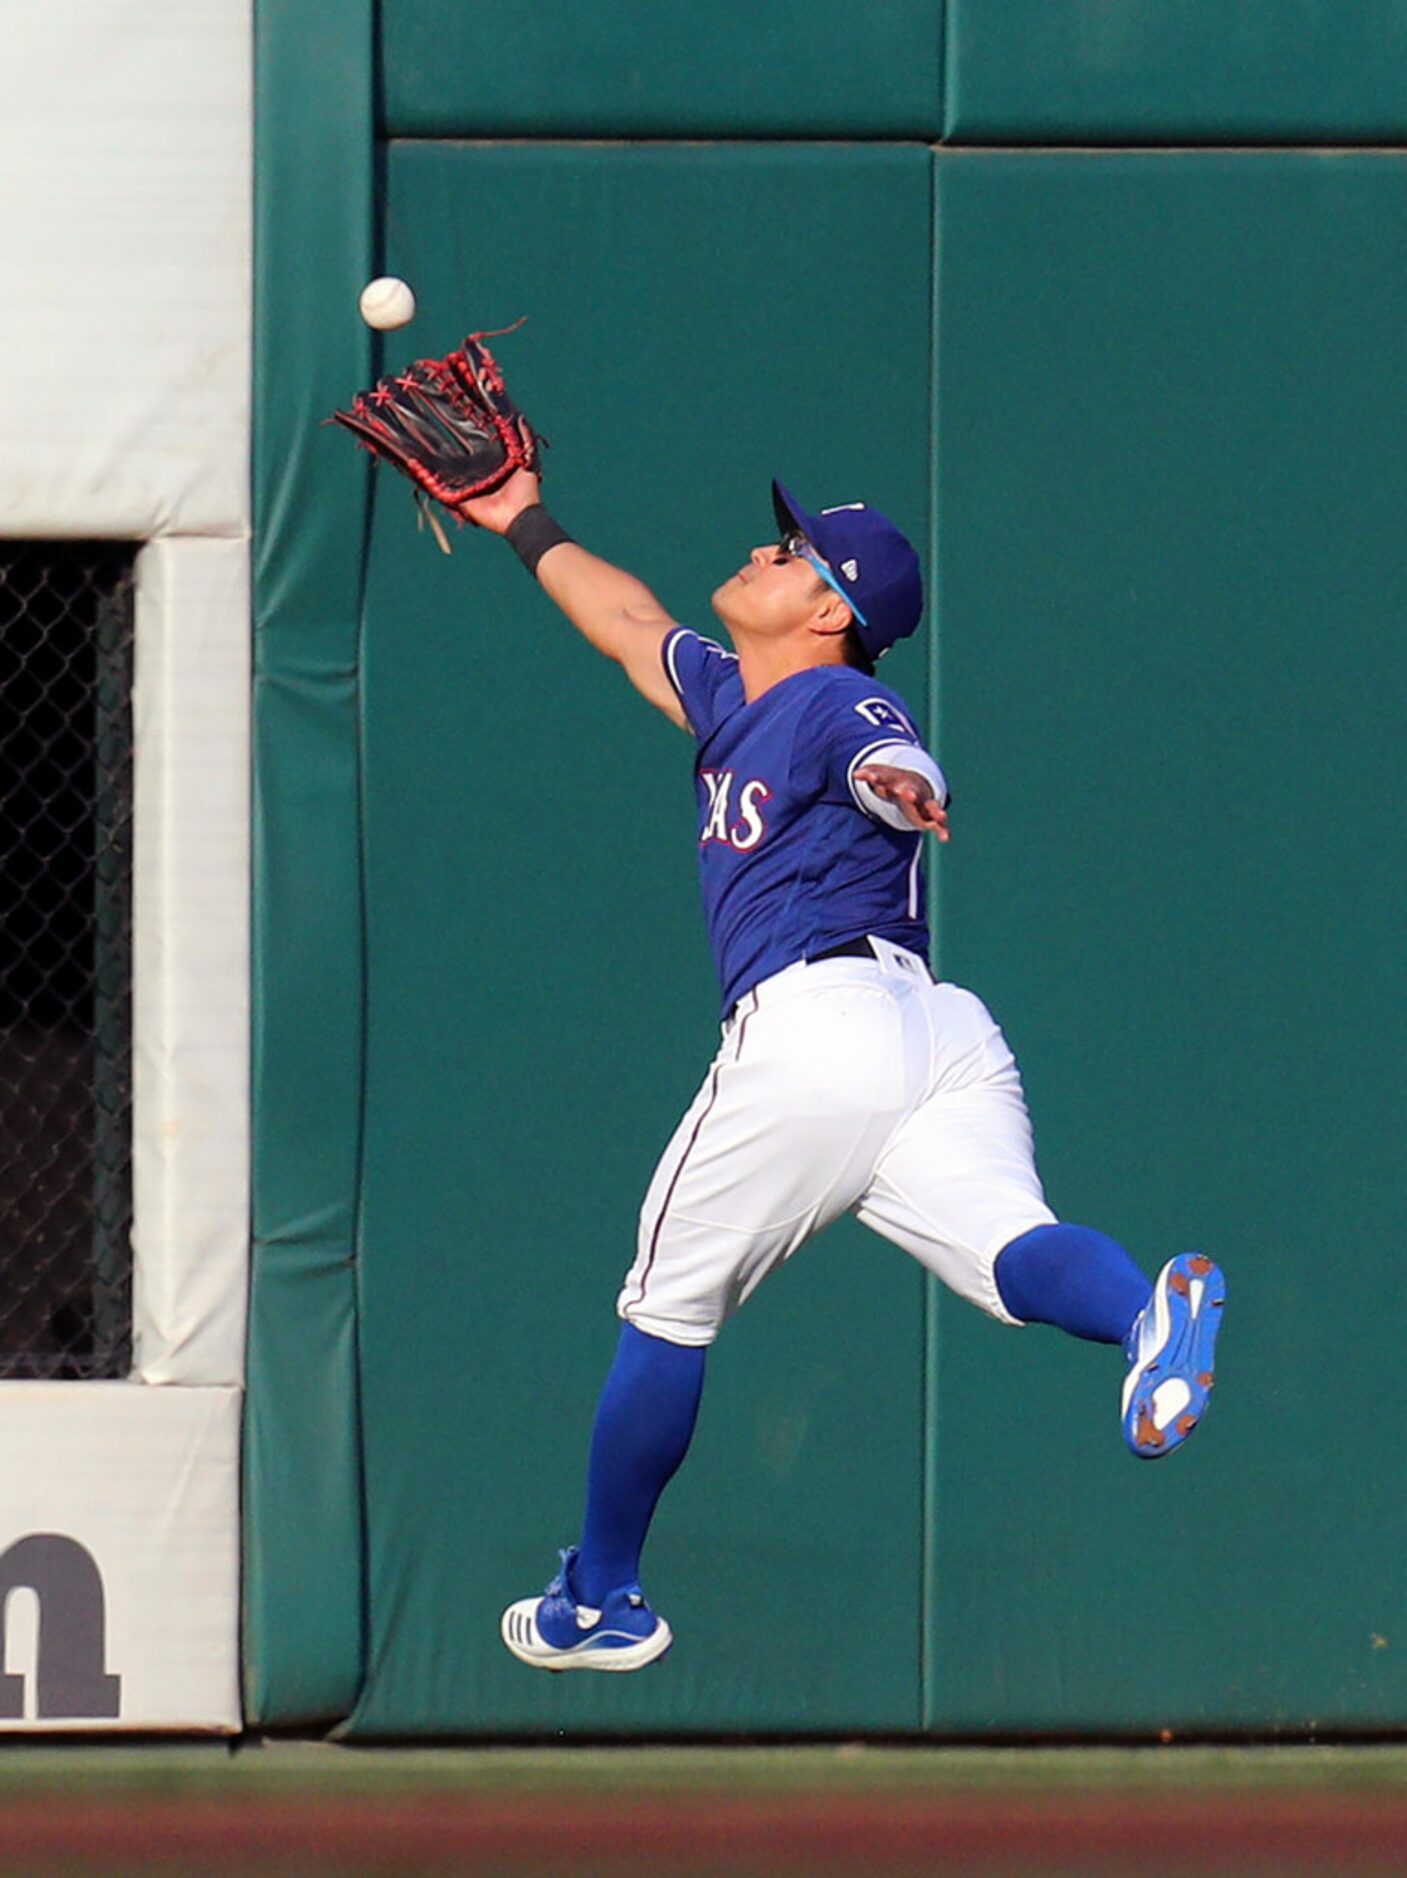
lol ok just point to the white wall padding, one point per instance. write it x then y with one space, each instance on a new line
119 1557
125 148
191 962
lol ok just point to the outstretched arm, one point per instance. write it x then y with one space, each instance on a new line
911 792
612 609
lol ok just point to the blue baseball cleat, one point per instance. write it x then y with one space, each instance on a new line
1170 1351
556 1631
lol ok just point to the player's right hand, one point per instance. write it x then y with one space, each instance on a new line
912 792
498 510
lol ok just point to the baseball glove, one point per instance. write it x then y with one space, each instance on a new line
448 424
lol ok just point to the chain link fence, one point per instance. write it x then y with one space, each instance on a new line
65 958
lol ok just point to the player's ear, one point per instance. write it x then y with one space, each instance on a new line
832 616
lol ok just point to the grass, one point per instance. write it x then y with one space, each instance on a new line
273 1768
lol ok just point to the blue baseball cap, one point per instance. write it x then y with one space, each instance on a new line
874 564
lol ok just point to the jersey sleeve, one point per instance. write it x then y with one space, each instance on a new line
863 729
704 677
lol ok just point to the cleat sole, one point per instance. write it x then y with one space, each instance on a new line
520 1634
1187 1308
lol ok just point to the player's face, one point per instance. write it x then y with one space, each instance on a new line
775 591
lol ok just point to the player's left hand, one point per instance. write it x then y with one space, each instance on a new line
913 793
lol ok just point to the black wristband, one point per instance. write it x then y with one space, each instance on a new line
531 533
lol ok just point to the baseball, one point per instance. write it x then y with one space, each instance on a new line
387 303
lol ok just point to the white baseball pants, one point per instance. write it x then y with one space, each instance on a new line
849 1085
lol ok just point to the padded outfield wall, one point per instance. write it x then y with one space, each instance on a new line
126 147
1142 405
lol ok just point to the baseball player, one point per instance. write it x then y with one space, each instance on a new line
846 1080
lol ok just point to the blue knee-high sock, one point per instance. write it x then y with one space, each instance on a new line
644 1422
1075 1278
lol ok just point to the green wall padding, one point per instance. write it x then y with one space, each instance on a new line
742 68
1172 392
302 1529
1165 527
1198 71
541 1003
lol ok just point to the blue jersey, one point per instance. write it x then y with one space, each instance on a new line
790 861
